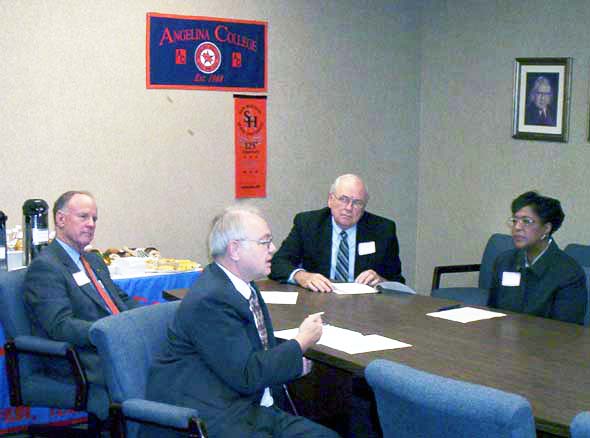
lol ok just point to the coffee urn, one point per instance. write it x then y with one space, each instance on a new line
36 229
3 246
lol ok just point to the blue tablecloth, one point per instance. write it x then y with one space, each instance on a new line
146 289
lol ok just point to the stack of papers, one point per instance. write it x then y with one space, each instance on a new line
466 314
348 341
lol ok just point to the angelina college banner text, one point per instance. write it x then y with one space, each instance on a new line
205 53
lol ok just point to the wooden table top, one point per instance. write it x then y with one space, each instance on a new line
546 361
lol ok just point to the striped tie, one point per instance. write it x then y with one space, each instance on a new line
258 317
342 261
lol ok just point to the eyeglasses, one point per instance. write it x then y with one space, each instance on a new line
356 203
265 242
526 221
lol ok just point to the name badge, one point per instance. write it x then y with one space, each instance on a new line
366 248
81 278
511 279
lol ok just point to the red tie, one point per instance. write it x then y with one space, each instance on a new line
103 293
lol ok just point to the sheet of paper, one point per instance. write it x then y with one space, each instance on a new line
396 286
348 341
466 314
375 343
272 297
353 289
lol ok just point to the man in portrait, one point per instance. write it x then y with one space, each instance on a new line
541 108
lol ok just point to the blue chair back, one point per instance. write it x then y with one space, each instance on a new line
580 427
14 317
128 343
497 244
414 403
581 254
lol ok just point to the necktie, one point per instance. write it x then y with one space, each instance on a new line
103 293
258 317
342 260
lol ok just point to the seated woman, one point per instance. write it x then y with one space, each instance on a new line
537 277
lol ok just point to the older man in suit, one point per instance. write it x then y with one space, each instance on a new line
342 242
67 289
221 356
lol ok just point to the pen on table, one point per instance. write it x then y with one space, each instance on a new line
455 306
324 319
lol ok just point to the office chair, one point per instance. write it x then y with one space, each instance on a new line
29 384
581 254
497 244
413 403
128 343
580 427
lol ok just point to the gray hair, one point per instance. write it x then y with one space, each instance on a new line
62 201
541 80
228 226
341 178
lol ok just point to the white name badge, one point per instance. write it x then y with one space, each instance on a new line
510 278
81 278
366 248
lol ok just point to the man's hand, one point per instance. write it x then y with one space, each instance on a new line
369 277
314 282
310 331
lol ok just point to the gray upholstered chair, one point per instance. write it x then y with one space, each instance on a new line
128 343
29 384
413 403
497 244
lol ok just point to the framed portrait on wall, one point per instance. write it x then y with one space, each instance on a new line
542 89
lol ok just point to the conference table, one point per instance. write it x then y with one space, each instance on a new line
546 361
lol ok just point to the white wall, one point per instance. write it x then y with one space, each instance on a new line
470 168
343 97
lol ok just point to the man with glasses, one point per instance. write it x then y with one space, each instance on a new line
221 355
540 109
341 242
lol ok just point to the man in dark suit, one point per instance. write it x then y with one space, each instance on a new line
221 356
59 291
309 255
540 109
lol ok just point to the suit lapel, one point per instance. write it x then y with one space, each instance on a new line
71 268
363 234
324 245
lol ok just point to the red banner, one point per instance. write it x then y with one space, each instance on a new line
250 139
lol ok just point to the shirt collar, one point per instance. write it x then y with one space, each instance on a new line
526 260
338 229
242 287
73 253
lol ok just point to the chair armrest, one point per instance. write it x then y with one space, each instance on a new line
451 269
38 346
163 414
34 344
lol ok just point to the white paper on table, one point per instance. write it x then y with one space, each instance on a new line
348 341
353 289
466 314
375 343
273 297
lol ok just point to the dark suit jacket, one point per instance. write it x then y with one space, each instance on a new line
532 116
62 310
554 287
309 246
215 361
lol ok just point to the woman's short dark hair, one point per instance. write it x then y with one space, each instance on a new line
548 209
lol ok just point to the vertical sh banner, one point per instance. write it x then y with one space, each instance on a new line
205 53
250 139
